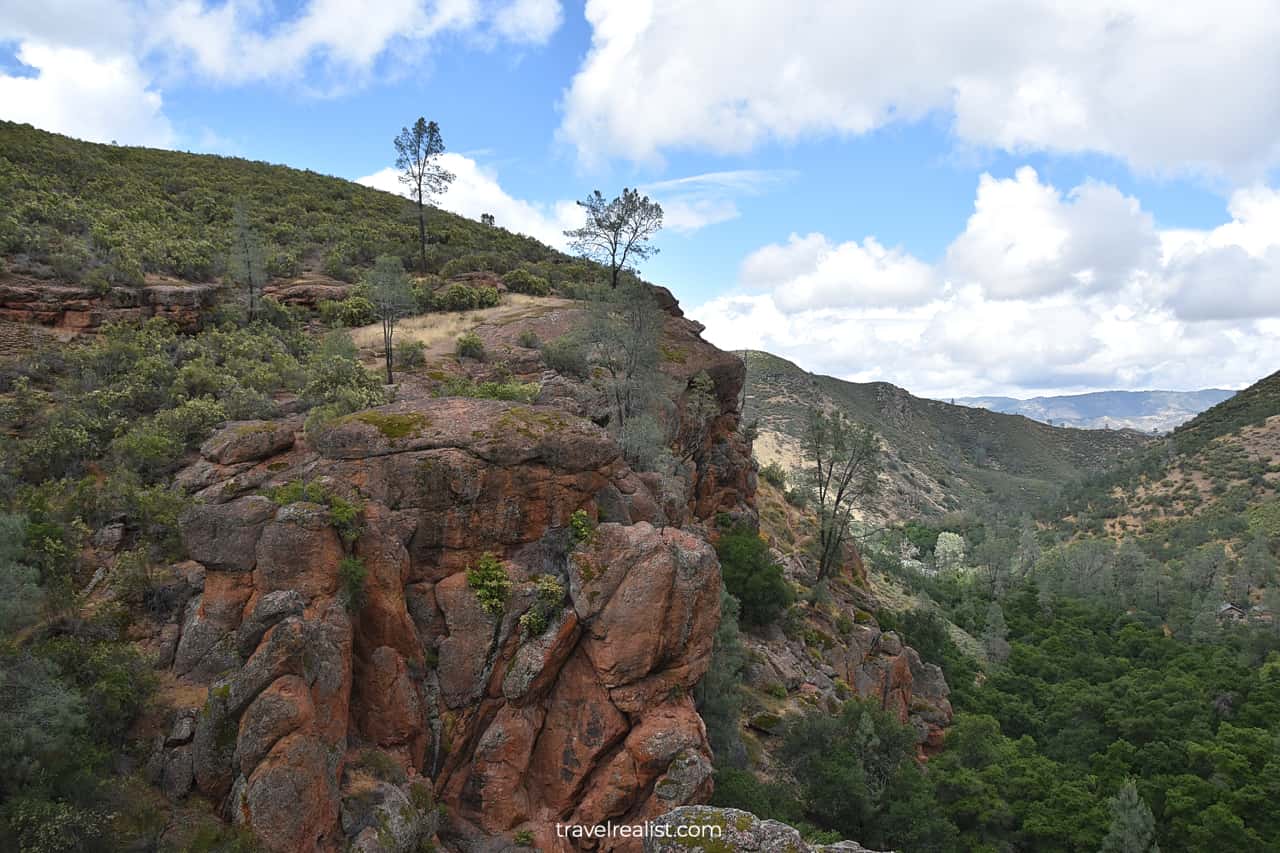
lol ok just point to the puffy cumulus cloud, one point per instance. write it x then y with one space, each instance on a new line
1232 271
75 92
96 63
334 40
1163 86
1025 239
810 272
475 190
1042 292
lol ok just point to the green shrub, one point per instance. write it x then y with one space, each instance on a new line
548 600
343 514
488 579
351 577
523 838
338 385
470 346
774 475
522 281
462 297
410 353
337 266
356 311
740 789
581 526
529 339
521 392
567 355
752 576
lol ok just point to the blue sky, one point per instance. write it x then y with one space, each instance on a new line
1020 198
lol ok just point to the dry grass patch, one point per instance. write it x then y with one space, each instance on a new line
438 331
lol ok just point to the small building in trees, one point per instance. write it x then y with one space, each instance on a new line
1228 612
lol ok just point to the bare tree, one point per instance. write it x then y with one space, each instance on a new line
418 151
247 265
844 461
392 298
617 232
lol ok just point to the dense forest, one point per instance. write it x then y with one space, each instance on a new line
1118 682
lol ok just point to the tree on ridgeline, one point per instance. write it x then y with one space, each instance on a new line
418 151
617 232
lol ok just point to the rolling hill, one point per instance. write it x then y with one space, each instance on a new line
1216 478
941 457
108 216
1146 411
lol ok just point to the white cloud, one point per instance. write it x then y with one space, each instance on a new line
1232 271
333 44
532 21
1025 239
809 272
98 62
1184 86
1042 292
475 191
75 92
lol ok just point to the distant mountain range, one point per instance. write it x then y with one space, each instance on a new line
1147 411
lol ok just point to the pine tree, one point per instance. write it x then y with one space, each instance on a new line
247 265
418 151
617 232
1133 829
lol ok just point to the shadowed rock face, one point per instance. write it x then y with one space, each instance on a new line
586 721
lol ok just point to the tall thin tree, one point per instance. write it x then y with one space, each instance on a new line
418 151
392 298
843 465
247 265
617 232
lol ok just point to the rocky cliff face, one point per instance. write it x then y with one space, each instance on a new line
78 308
358 674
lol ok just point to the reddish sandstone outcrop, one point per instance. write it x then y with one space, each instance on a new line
80 308
588 720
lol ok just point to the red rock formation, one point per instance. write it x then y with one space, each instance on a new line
78 308
588 720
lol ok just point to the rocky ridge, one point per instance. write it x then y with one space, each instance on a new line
333 705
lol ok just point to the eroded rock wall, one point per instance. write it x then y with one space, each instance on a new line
588 720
